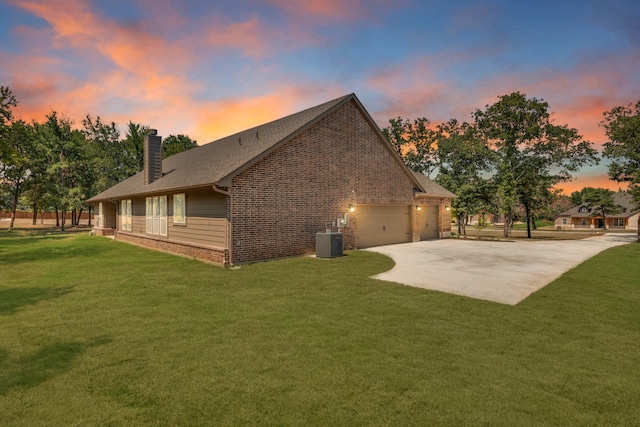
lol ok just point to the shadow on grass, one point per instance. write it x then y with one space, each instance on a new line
37 253
14 298
34 369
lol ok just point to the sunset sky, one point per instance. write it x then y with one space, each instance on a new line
210 68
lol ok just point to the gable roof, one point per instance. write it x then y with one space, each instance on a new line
622 199
217 162
431 188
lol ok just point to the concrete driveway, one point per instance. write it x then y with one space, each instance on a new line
504 272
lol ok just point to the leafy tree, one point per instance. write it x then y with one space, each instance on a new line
577 197
14 169
65 153
106 153
7 101
133 146
174 144
531 153
415 142
622 127
601 201
561 203
463 158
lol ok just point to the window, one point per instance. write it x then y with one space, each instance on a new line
100 219
564 221
179 209
125 215
618 222
584 222
156 215
584 209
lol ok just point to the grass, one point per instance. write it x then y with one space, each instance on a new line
94 331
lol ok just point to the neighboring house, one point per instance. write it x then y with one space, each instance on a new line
582 216
264 193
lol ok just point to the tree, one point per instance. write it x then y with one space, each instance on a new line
601 201
415 142
562 203
133 146
463 158
531 153
14 169
622 127
174 144
7 101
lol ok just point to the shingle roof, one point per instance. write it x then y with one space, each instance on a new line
624 200
218 161
431 188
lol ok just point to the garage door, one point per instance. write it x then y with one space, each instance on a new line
429 223
383 225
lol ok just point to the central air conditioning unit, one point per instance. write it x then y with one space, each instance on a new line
329 245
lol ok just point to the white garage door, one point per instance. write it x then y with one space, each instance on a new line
383 225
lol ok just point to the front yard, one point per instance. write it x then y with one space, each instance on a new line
94 331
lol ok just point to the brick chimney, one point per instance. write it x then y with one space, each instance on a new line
152 157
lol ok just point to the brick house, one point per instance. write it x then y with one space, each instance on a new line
583 216
264 193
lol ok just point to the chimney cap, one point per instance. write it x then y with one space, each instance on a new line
152 132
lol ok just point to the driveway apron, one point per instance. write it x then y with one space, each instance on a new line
503 272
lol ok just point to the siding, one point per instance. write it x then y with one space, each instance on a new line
206 219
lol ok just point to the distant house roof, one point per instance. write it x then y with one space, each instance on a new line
622 199
431 188
217 162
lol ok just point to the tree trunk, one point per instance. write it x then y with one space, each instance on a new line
57 218
507 226
14 207
64 214
89 211
528 214
79 216
35 214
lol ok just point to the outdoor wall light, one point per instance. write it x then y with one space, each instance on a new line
352 208
447 208
418 207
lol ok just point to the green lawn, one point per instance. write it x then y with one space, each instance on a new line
97 332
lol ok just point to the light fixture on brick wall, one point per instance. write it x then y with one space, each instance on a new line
352 208
418 207
447 207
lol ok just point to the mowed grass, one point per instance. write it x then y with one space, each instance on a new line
98 332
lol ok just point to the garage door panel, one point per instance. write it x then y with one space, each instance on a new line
383 225
429 223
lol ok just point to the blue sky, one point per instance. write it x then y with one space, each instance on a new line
211 68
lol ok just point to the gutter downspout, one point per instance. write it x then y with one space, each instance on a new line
229 225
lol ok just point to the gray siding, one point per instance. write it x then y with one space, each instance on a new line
138 212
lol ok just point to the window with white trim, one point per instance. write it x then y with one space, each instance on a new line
564 221
618 222
179 209
156 215
125 215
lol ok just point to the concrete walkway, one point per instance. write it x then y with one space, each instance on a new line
503 272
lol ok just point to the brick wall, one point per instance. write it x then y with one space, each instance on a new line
279 203
216 255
